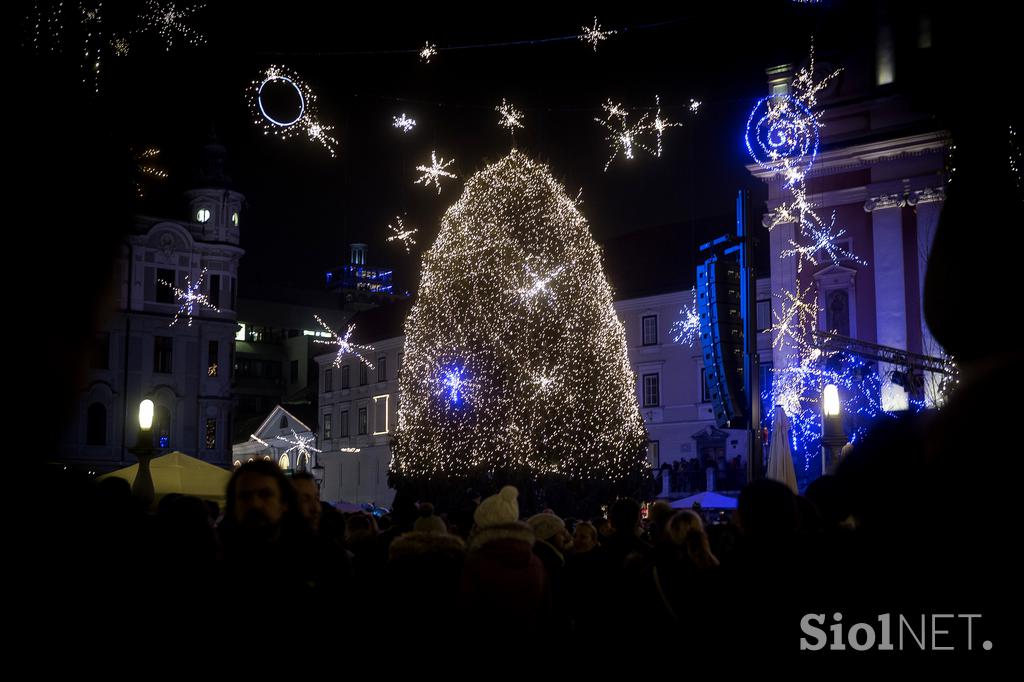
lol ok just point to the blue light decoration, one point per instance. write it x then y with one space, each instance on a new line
860 390
782 135
453 384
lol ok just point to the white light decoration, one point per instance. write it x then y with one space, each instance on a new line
305 120
189 297
168 22
686 330
622 137
147 168
594 35
513 318
795 318
120 46
539 284
92 57
830 400
511 117
259 440
694 106
659 124
427 51
404 123
301 444
433 173
402 234
345 346
203 215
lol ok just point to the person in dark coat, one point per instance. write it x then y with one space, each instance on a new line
503 581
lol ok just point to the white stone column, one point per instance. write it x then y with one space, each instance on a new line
890 292
783 278
927 206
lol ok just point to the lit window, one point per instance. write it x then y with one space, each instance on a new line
284 463
380 414
203 215
234 218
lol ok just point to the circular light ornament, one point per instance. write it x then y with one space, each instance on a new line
305 120
782 135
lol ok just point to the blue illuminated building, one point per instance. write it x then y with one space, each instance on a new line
357 276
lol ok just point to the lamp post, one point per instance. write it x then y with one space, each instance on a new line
144 451
318 475
832 438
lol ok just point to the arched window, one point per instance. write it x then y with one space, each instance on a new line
284 463
162 426
303 462
96 425
837 315
283 424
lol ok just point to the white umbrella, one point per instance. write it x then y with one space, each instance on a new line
780 456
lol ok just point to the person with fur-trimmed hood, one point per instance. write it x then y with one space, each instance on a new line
503 580
424 569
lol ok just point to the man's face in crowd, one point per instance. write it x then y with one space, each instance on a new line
309 500
258 501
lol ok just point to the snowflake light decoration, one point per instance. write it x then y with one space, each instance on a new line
427 51
432 174
404 123
168 22
594 35
400 233
686 330
189 297
623 137
345 346
511 117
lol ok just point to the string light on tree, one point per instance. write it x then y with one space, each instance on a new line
404 123
168 22
487 351
402 234
511 117
433 173
189 298
305 119
594 35
344 344
427 51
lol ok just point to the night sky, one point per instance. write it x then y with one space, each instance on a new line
304 207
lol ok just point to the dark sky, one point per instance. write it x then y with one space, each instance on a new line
305 207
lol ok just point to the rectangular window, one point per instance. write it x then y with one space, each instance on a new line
650 330
343 425
380 414
328 380
705 394
211 363
764 315
295 372
345 377
211 434
362 422
327 427
234 293
165 279
362 374
652 394
654 454
101 351
163 354
382 368
215 291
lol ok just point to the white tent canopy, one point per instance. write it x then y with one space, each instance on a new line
707 500
780 456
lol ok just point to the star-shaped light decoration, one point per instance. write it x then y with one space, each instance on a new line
594 35
511 117
189 297
404 123
400 233
345 346
432 174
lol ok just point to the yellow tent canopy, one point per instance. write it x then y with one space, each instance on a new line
176 472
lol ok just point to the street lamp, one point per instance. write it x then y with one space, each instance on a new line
832 438
144 451
318 475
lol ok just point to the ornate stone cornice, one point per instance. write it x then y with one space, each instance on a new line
926 195
883 201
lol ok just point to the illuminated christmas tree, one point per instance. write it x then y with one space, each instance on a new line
515 364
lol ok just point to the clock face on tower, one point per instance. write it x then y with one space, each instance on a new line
202 215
